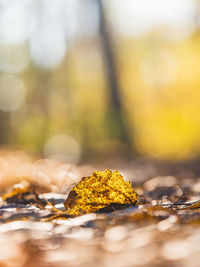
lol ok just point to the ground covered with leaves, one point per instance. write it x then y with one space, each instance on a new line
50 217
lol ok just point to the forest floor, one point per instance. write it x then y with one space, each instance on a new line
163 229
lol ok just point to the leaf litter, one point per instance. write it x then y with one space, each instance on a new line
103 222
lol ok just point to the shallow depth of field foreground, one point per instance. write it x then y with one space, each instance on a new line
37 229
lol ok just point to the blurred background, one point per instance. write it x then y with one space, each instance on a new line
84 80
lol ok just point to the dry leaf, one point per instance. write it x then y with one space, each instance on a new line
23 193
102 191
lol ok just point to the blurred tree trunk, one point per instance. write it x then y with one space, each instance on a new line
5 131
5 126
42 101
42 90
116 114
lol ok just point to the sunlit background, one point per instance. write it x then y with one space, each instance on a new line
97 79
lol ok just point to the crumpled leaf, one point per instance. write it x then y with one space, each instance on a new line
102 191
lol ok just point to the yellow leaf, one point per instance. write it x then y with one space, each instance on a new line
100 191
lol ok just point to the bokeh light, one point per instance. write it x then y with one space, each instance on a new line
133 18
54 55
16 21
47 43
48 47
63 147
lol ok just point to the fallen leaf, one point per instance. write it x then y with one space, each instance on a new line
23 193
102 191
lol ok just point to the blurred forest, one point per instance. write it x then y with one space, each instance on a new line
93 85
95 79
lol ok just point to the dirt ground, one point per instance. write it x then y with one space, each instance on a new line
163 229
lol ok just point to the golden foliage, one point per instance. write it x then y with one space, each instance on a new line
100 191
